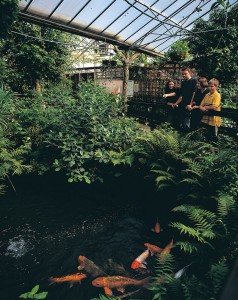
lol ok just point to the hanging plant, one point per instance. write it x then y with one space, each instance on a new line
179 51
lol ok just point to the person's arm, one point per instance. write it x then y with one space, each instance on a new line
169 95
201 106
216 103
191 102
177 102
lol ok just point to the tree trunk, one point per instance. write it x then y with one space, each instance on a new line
38 86
126 64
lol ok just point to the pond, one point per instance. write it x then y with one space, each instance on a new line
48 223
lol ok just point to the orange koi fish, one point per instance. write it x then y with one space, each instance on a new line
157 228
118 282
73 278
167 249
140 262
153 249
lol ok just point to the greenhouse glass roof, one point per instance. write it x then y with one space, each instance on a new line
147 26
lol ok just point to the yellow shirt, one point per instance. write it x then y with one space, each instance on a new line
212 100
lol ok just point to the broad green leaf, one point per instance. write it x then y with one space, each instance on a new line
35 289
42 295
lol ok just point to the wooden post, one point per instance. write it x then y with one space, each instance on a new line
126 60
126 64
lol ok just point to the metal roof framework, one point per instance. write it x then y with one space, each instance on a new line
148 26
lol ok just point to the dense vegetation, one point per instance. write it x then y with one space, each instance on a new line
214 46
72 133
85 134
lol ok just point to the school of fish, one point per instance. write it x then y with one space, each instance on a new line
88 269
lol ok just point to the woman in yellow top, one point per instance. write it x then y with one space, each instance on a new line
212 101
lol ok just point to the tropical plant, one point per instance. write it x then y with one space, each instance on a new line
102 297
12 152
33 294
95 128
201 178
33 57
229 94
9 11
79 131
178 51
213 45
191 284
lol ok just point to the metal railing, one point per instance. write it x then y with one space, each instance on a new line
154 113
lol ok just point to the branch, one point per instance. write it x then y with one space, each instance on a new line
134 57
119 52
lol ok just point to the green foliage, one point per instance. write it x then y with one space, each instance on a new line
77 133
31 59
178 51
229 94
12 154
91 132
102 297
191 285
8 14
33 294
218 274
214 45
164 282
201 178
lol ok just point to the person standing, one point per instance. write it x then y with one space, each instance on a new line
194 107
212 101
188 86
172 95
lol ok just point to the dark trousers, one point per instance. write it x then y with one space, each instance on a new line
211 131
195 119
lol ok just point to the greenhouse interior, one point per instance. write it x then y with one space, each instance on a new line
119 149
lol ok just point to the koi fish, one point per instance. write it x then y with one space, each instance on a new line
180 273
89 267
140 262
157 228
73 278
118 282
166 250
153 249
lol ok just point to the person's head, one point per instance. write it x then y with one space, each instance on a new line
203 82
171 84
186 73
213 85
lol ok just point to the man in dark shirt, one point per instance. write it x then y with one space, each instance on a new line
188 86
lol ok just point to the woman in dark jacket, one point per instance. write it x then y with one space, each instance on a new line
171 95
199 94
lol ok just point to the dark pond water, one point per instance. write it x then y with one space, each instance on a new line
49 223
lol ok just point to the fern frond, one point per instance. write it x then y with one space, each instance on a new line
225 203
218 274
186 292
196 234
188 247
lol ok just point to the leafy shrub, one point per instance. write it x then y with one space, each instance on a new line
33 294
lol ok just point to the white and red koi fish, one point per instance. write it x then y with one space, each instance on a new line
140 261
